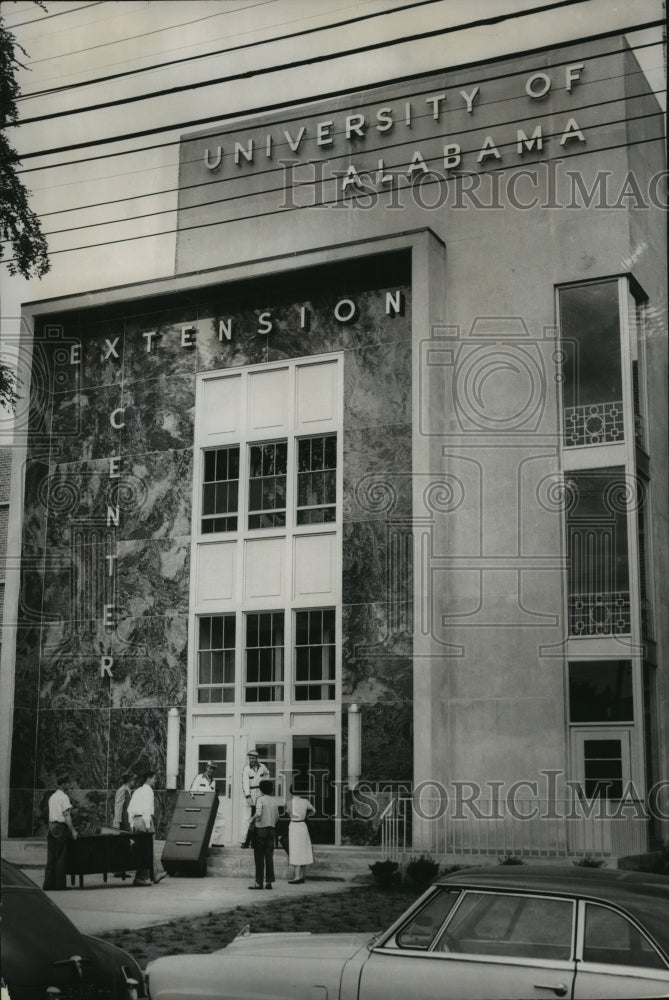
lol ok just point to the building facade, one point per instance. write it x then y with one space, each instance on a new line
375 481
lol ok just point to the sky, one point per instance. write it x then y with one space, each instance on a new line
71 43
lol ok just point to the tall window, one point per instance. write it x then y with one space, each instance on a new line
592 390
220 490
264 656
315 655
216 659
317 479
267 484
599 596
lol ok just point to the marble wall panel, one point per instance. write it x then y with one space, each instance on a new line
150 662
81 425
98 365
36 473
158 414
24 748
26 672
376 562
377 386
152 577
373 325
377 473
72 743
76 495
245 347
167 356
387 742
155 494
70 670
138 741
377 650
77 584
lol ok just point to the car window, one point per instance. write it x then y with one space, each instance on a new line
422 928
611 938
510 924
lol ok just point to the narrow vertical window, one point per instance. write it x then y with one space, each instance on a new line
592 389
216 659
264 656
267 484
220 490
317 479
315 655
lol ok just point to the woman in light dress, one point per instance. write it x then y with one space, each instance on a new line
300 853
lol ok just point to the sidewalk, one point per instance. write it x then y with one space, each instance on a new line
118 905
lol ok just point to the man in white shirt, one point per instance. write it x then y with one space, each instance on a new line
141 810
61 829
252 774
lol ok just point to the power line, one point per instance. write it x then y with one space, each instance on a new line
235 48
300 63
155 31
38 20
291 104
282 67
324 204
343 156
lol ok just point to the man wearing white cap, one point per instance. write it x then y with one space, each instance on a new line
252 774
204 781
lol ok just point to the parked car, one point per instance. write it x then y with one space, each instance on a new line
42 950
483 933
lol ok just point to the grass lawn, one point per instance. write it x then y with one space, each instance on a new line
361 908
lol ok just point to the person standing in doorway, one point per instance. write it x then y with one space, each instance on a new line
300 852
61 829
264 836
141 812
121 802
253 773
205 782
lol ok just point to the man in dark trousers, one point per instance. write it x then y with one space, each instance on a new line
264 821
121 800
252 774
61 829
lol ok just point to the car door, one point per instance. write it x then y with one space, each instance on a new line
616 957
493 944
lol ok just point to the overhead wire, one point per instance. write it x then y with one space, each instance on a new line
386 149
58 13
234 48
270 107
324 204
282 68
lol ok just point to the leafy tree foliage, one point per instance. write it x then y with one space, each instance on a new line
19 226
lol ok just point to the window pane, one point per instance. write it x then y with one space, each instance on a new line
422 928
611 939
316 479
219 492
590 330
512 925
216 659
314 654
601 691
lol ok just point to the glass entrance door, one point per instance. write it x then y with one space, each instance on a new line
313 777
220 754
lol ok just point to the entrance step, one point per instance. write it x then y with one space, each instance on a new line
330 862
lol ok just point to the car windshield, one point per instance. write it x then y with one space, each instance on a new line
12 878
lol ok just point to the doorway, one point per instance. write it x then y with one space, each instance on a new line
220 754
313 778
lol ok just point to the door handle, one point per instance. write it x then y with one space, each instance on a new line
559 989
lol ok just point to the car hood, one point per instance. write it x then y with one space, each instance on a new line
298 946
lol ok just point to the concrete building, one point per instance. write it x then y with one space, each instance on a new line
376 481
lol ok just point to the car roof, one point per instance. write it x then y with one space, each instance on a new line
644 896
